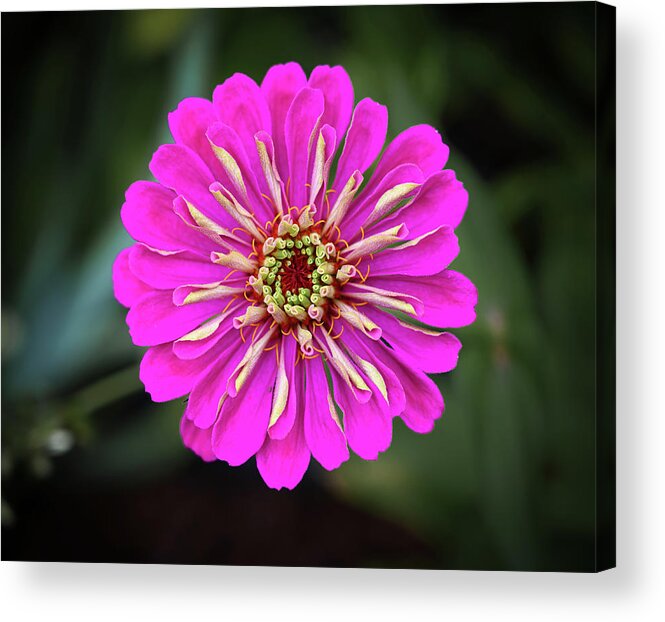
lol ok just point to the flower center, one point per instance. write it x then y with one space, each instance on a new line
294 274
299 273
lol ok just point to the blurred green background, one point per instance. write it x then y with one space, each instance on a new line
93 471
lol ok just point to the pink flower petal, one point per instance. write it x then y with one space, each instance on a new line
266 171
260 340
388 298
187 348
241 105
424 402
204 401
223 136
199 292
371 351
420 145
364 141
423 256
283 462
376 242
280 86
243 421
442 199
179 168
302 123
337 90
127 287
154 319
196 439
166 377
368 427
283 425
188 124
319 169
220 237
323 432
365 203
148 217
170 271
449 298
434 353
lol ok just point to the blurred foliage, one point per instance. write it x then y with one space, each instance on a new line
506 480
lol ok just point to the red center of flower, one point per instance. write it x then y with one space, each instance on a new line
296 273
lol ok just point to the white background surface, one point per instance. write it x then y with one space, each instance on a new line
634 591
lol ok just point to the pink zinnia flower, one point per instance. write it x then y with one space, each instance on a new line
278 294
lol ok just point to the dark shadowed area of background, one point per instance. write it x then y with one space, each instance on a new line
92 470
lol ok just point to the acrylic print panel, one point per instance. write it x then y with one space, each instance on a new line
341 298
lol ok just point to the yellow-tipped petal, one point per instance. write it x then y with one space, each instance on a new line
376 242
234 260
359 320
343 202
249 361
372 373
388 201
231 167
251 316
281 393
271 174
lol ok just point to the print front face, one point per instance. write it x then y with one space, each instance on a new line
280 296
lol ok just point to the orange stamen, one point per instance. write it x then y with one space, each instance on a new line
338 335
229 303
228 275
